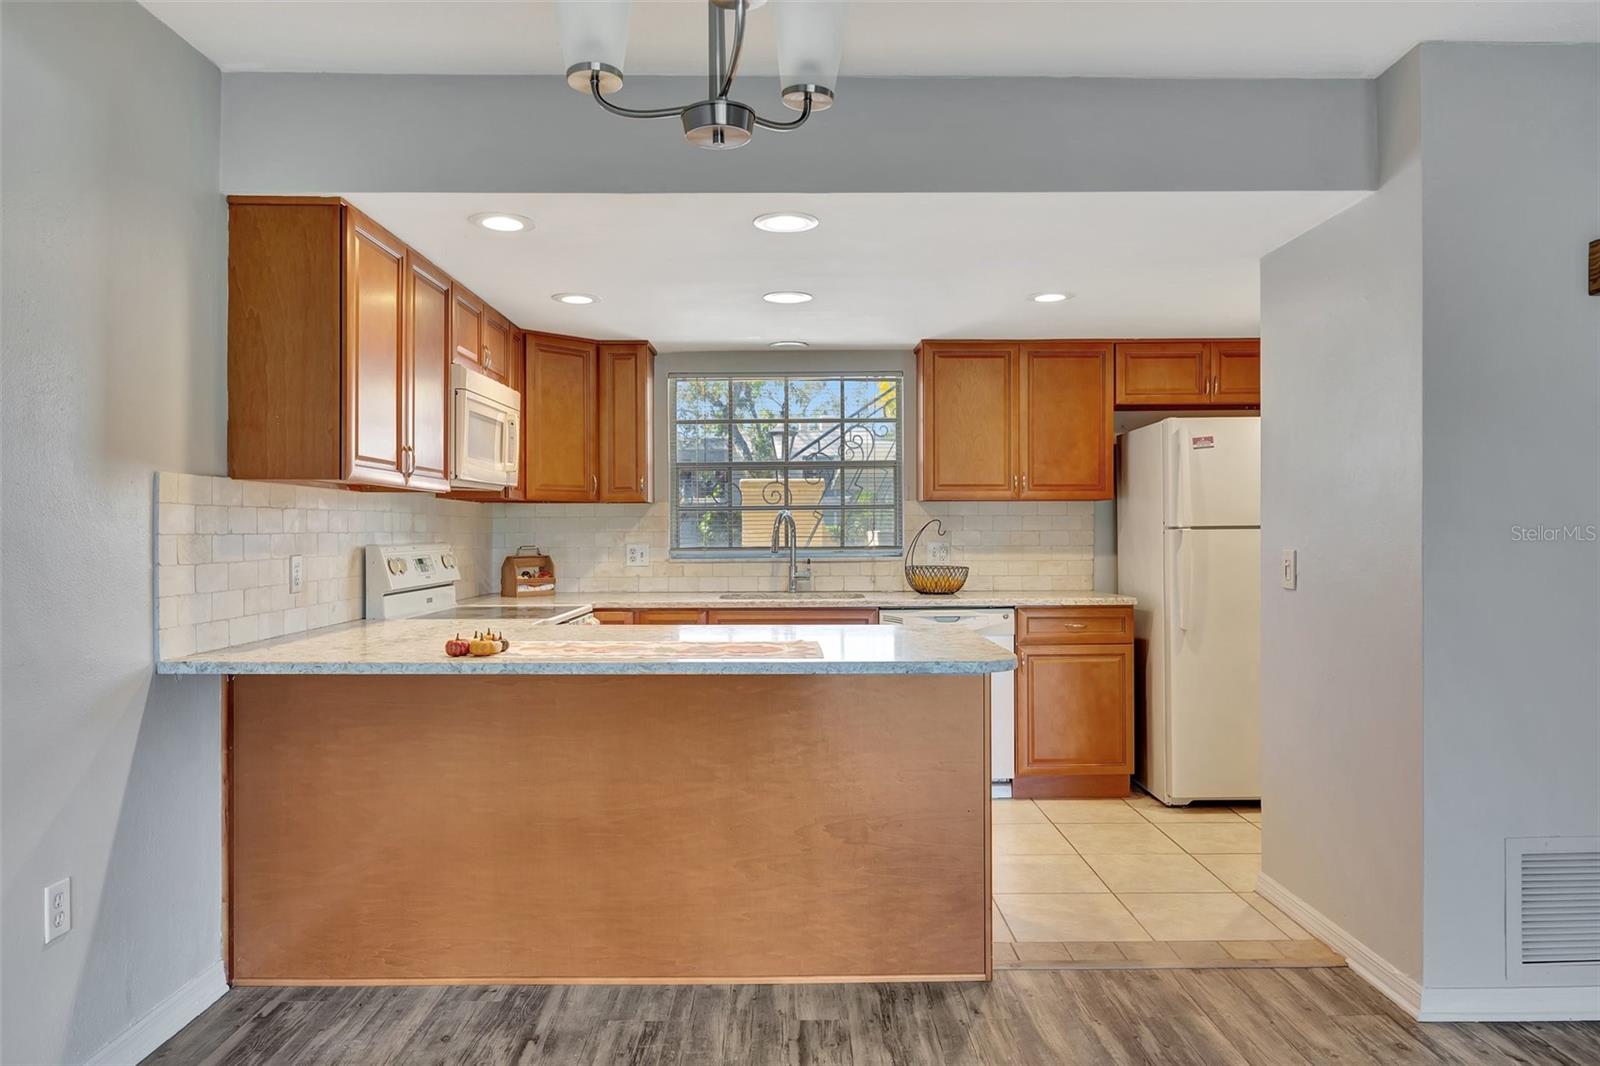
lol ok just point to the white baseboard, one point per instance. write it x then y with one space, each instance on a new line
1405 991
1524 1004
162 1022
1510 1004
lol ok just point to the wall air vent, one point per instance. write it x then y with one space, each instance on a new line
1553 910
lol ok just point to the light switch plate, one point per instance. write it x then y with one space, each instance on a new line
1290 568
939 552
638 555
58 910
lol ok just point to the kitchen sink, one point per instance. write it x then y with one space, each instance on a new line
793 595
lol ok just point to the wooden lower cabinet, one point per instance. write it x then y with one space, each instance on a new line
793 616
613 617
1074 702
669 616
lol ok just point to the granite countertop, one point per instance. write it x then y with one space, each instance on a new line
887 600
416 646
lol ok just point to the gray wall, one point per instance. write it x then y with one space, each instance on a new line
114 253
1433 383
343 133
1341 481
1511 437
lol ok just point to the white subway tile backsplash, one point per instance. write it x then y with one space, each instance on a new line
223 548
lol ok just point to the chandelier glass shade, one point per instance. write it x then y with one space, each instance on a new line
594 41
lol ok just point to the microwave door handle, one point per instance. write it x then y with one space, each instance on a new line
513 442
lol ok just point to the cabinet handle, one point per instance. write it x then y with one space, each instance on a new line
594 485
1024 482
1013 483
641 483
1074 625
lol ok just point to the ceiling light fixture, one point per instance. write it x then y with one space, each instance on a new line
1050 297
594 39
787 297
574 298
501 222
788 344
785 222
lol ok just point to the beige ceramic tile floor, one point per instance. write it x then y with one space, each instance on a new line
1133 882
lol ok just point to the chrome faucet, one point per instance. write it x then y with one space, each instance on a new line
782 523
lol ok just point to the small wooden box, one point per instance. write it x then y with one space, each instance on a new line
527 572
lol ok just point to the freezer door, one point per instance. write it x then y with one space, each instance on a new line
1213 471
1213 633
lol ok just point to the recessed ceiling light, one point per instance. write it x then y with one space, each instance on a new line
786 222
788 344
573 298
787 297
501 222
1050 297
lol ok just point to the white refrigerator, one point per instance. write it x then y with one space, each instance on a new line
1189 548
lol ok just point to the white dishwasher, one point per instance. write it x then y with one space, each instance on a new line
1000 626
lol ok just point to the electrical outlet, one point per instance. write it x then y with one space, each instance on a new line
1290 568
939 552
58 910
638 555
297 572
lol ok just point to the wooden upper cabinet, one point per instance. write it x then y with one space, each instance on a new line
967 408
1163 373
561 400
1236 373
339 347
1028 420
466 326
428 354
1202 373
626 372
375 363
495 344
1065 433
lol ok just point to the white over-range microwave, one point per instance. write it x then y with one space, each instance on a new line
484 440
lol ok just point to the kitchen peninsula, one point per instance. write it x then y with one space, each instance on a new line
607 804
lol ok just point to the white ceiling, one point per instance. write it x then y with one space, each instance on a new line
687 271
1267 38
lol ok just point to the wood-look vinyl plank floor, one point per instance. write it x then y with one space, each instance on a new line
1213 1017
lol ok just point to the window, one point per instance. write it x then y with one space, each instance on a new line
825 446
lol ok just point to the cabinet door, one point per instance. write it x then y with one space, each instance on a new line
1066 421
967 403
610 616
624 426
1163 374
495 344
1074 709
560 425
1236 373
428 375
466 326
375 358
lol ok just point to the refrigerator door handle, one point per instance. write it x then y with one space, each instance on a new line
1183 585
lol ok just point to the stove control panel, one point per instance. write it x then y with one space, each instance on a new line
406 579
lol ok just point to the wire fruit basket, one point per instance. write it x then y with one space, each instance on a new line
932 579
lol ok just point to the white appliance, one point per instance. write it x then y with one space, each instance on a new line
484 435
999 626
1189 548
410 579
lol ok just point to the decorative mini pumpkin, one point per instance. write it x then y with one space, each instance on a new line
457 647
